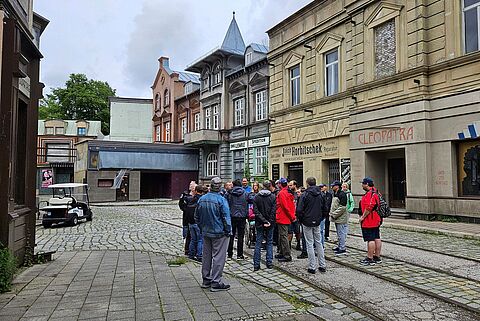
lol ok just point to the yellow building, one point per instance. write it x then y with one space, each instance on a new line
387 89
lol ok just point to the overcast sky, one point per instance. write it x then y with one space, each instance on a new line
119 41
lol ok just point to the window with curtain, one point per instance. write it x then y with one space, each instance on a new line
295 85
331 72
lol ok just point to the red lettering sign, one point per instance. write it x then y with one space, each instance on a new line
385 136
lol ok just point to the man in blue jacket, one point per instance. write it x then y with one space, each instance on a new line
238 203
213 217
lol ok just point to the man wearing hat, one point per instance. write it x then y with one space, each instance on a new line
213 217
339 216
370 222
285 215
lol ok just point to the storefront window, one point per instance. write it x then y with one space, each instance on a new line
238 163
260 160
470 173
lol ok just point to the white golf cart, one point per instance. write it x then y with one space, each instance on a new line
68 204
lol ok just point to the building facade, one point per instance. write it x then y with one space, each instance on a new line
130 171
248 114
21 89
56 150
171 122
130 119
400 81
213 136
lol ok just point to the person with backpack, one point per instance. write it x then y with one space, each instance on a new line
370 222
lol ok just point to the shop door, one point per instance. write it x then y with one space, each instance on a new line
122 192
295 172
397 182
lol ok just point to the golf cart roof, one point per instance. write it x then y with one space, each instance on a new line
67 185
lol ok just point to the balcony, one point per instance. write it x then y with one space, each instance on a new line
202 137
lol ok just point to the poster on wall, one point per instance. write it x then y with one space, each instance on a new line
345 170
47 177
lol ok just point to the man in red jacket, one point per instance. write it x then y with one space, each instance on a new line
370 222
285 216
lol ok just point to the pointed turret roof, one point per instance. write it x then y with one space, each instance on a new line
233 41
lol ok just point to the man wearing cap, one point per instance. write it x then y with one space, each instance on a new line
339 216
213 217
285 215
370 222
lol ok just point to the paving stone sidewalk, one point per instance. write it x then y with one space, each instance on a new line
132 285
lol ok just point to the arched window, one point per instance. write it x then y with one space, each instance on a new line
212 164
166 100
157 101
217 75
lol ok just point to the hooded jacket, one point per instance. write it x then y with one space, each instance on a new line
338 210
238 202
190 206
264 207
311 206
213 216
327 198
285 207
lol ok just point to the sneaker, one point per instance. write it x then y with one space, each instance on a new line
340 252
377 259
367 261
270 266
220 287
335 249
278 256
285 259
256 268
312 271
322 269
298 247
230 257
303 256
327 238
205 285
241 257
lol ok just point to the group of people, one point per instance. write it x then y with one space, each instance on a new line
215 216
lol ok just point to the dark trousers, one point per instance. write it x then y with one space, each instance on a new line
283 240
327 226
275 235
238 228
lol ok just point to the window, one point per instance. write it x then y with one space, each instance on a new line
49 131
81 131
184 127
331 73
295 85
215 116
261 105
212 165
58 153
238 164
385 49
471 17
205 82
157 101
208 119
197 121
260 160
105 182
59 131
157 133
239 111
167 131
167 97
248 58
217 76
188 88
469 168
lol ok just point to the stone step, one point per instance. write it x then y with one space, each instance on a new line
400 213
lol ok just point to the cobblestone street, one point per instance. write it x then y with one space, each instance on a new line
117 267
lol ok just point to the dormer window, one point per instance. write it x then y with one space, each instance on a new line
59 131
188 88
248 58
81 131
49 131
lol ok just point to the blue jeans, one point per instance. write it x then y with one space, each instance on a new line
342 231
196 243
258 245
322 232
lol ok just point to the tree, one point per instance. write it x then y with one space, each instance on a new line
82 98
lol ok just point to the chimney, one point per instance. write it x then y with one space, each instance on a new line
163 62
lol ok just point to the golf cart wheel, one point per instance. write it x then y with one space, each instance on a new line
74 220
47 224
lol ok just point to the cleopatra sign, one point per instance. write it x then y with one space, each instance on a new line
388 135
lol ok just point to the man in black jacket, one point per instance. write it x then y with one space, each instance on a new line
264 207
238 201
325 228
309 212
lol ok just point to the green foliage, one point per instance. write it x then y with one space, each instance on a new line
177 261
81 98
8 267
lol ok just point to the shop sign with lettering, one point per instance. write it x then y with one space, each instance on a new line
238 145
387 136
323 149
262 141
